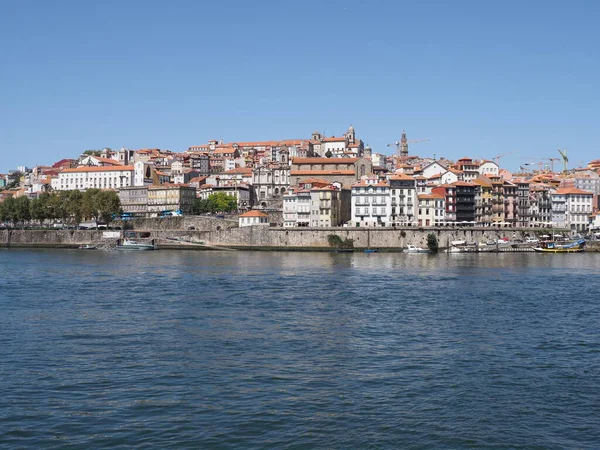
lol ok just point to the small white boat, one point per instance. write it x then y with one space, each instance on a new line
414 249
130 244
87 247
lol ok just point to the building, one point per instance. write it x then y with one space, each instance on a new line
253 217
97 177
371 203
523 203
329 206
431 210
343 171
483 200
403 202
465 202
134 200
270 183
170 197
571 208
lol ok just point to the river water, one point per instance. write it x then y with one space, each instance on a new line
285 350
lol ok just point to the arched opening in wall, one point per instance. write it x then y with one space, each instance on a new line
263 204
276 192
218 227
282 191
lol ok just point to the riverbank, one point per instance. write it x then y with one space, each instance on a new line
266 238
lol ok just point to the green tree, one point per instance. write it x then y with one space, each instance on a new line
89 204
328 154
73 205
22 209
108 205
7 210
221 202
37 210
432 242
201 206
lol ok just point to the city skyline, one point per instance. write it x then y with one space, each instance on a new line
477 80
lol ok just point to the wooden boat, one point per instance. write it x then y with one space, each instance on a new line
555 247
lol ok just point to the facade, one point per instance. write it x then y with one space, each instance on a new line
134 200
269 184
465 201
328 208
483 201
93 177
371 203
571 208
448 192
345 171
431 210
170 198
403 202
541 206
253 217
509 191
523 203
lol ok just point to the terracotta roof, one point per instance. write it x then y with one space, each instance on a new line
426 196
239 170
365 184
402 176
321 172
254 213
107 161
99 169
572 191
324 160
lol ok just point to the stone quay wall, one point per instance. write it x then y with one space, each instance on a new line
263 237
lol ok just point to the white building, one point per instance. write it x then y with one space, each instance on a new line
253 217
371 203
98 177
434 168
571 208
488 168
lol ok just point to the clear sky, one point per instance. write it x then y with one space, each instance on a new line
478 78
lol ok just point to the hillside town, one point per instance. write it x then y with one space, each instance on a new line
324 182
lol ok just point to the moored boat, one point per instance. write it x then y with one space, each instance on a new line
87 247
414 249
555 247
130 244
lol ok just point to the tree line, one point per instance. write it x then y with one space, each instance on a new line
70 207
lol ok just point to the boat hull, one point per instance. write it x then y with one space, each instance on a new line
557 250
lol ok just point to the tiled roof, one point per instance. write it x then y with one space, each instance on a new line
99 169
320 172
254 213
572 191
324 160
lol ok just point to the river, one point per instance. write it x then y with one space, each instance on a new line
291 350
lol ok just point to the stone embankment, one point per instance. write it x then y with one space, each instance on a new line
202 232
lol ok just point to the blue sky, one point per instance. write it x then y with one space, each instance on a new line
477 78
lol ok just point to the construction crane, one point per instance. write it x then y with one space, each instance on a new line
565 159
496 159
402 144
552 163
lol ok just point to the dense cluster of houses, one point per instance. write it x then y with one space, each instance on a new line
326 182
